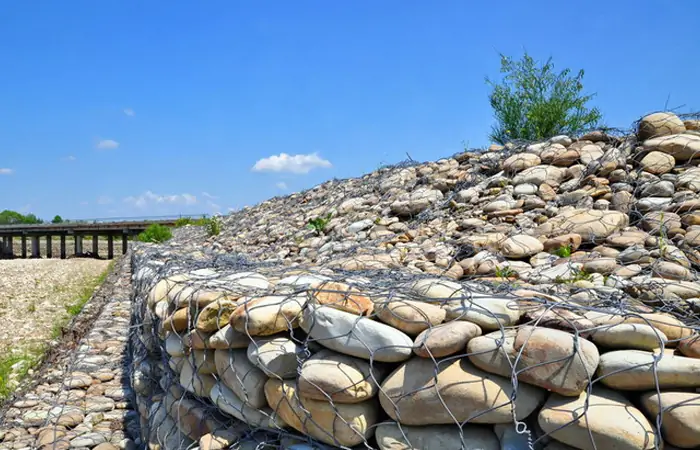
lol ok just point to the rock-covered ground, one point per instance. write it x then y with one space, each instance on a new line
541 295
81 398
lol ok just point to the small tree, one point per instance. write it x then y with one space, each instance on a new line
57 219
155 233
534 102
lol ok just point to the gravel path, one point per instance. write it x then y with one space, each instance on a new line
35 295
81 399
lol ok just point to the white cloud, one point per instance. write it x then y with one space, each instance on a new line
6 171
299 164
282 185
149 198
104 200
70 158
209 196
107 144
129 112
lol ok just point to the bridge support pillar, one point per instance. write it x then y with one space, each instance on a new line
63 246
78 243
110 246
95 245
49 250
36 250
125 243
24 246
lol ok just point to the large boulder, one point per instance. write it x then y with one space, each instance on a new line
520 162
603 420
683 147
659 124
419 393
680 422
392 436
590 224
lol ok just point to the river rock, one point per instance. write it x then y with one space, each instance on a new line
540 174
659 124
680 423
335 424
589 224
227 337
445 339
410 316
392 436
228 402
215 315
552 359
328 375
239 374
683 147
603 420
354 335
634 370
276 356
658 163
489 312
520 162
629 336
269 315
521 246
341 296
414 395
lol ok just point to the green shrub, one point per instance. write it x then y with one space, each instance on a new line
155 233
182 221
319 224
213 226
564 251
533 102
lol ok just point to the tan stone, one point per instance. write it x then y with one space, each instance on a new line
589 224
629 336
215 315
606 420
418 394
341 296
659 124
690 347
269 315
521 246
634 370
571 240
335 424
445 339
227 337
410 316
177 321
230 403
657 163
520 162
391 436
328 375
241 376
604 266
683 147
680 423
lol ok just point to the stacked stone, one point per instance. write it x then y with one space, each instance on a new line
316 358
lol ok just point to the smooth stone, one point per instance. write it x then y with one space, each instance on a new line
657 163
203 360
603 420
659 124
331 376
409 316
334 424
415 392
521 246
539 174
178 321
680 422
341 296
88 440
520 162
683 147
215 315
489 312
690 347
439 289
571 240
634 370
228 402
445 339
265 316
240 375
227 337
197 383
77 380
629 336
588 223
275 356
392 436
548 358
604 266
355 335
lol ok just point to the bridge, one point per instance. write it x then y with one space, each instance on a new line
111 229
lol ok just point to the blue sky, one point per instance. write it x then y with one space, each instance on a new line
132 108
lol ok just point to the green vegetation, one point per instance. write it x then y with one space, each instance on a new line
57 219
212 224
534 102
576 275
564 251
319 224
504 272
155 233
19 364
8 217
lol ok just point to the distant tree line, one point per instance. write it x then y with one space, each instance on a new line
8 217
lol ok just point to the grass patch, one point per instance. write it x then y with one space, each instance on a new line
211 224
155 233
14 367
